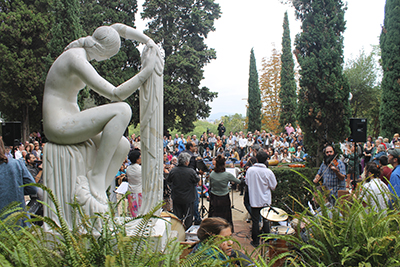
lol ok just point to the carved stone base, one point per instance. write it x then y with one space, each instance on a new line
65 169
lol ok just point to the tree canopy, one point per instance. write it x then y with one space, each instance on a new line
270 88
287 93
254 97
390 47
324 109
181 27
23 39
362 74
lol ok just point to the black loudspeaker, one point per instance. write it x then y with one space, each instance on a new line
11 132
358 130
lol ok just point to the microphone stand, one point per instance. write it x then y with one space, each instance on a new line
233 206
203 209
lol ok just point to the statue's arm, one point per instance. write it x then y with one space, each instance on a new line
91 78
130 33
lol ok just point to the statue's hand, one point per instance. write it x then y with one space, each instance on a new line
152 57
150 43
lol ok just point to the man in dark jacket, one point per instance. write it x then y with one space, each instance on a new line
221 129
183 180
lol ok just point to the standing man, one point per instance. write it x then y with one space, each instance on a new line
242 145
332 175
191 149
260 181
183 180
211 143
394 185
221 129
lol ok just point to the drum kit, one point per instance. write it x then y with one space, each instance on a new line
277 220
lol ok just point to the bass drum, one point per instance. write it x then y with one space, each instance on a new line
176 225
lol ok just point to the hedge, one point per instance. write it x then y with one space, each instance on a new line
292 185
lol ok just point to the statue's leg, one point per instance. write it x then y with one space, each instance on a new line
111 144
118 158
111 121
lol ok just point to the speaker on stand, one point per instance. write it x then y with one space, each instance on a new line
358 128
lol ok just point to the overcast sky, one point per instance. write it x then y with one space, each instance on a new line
258 24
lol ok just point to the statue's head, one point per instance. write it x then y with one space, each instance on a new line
103 44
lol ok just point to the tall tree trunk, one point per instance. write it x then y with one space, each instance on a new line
25 123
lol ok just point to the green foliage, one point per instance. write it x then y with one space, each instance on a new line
390 47
66 27
181 27
200 126
347 235
254 97
362 74
292 187
232 123
287 93
23 37
100 240
323 109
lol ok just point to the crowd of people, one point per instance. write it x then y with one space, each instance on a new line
285 147
374 163
185 183
369 169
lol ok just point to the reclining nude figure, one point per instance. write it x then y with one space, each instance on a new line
65 124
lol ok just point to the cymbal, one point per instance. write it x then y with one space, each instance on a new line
274 214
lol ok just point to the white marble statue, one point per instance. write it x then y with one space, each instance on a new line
87 147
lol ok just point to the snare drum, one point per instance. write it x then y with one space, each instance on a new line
176 225
279 246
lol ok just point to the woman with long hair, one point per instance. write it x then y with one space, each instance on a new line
220 203
210 232
373 191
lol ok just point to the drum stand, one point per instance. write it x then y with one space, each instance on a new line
203 209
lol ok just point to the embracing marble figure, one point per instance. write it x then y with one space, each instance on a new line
87 147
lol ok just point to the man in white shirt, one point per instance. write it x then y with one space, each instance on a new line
260 181
242 146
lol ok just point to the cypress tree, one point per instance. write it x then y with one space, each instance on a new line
182 27
324 109
254 98
389 114
287 92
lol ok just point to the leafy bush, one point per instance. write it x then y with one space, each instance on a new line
95 241
347 235
292 186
